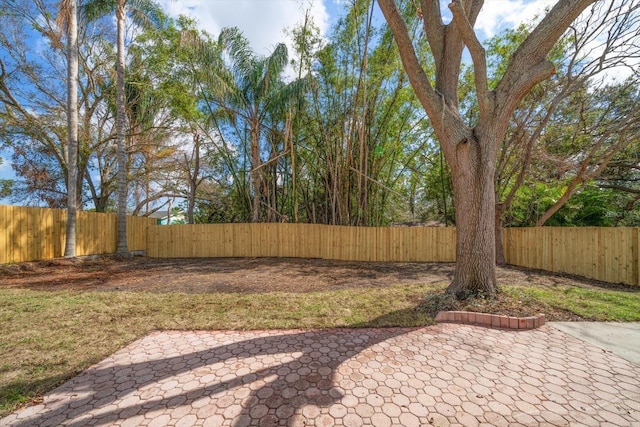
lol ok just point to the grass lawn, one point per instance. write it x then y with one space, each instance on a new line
47 337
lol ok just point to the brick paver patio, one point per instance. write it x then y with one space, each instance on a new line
442 375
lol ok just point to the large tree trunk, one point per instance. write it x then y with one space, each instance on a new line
120 133
72 128
474 195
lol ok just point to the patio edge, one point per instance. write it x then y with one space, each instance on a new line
491 320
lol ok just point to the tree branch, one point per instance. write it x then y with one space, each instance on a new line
509 97
528 66
422 86
284 153
433 26
478 56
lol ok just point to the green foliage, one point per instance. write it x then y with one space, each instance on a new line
144 13
593 206
343 141
6 186
562 138
363 130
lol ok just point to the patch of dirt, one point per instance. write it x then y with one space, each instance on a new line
508 305
208 275
255 275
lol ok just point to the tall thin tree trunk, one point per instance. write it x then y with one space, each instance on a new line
72 128
193 179
120 133
255 172
294 183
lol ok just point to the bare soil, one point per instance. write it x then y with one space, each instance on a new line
250 275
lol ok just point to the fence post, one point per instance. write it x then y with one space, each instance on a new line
505 244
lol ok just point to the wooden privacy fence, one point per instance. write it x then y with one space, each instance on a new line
607 254
303 241
29 234
602 253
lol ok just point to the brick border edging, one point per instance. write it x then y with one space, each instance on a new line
490 320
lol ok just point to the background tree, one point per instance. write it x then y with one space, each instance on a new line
144 12
31 111
620 181
557 108
353 146
33 97
251 90
357 135
68 21
609 119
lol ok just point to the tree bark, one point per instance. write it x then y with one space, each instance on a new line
72 128
474 197
122 249
193 178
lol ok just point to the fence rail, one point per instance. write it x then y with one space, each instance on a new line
29 234
607 254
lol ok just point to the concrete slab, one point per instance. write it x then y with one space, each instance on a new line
622 339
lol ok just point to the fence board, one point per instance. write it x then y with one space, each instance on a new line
5 255
635 258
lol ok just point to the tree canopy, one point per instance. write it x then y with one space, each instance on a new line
376 124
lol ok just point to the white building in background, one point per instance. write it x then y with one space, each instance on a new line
163 218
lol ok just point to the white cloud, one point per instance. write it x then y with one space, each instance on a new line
261 21
5 167
618 66
499 14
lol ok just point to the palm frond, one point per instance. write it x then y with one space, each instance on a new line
281 99
64 14
96 9
273 66
237 46
146 13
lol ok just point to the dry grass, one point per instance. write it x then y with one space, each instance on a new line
48 337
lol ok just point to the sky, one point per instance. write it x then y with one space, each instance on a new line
264 22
